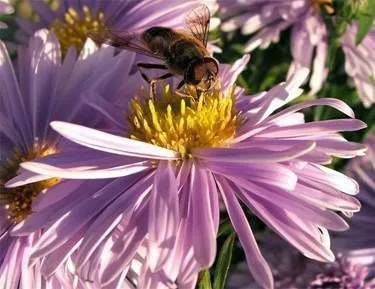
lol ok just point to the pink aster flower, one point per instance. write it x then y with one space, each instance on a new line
358 242
266 19
5 8
360 63
39 88
74 19
173 159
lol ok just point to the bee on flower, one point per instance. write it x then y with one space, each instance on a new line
172 160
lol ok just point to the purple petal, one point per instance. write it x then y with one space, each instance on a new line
124 249
51 263
110 143
11 265
201 218
87 172
75 219
253 155
317 174
12 103
164 215
24 178
230 73
52 213
332 102
55 194
257 264
289 202
133 191
330 199
290 227
272 174
315 128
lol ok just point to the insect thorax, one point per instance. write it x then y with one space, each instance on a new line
158 39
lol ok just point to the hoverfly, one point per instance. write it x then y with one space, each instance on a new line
182 52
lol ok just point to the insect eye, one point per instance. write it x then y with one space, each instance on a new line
194 72
211 65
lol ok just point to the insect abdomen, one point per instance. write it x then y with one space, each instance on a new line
158 39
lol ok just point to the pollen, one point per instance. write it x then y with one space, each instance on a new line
181 123
18 201
73 28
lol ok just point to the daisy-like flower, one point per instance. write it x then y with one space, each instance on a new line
360 63
73 20
105 216
174 158
357 243
5 8
268 18
42 89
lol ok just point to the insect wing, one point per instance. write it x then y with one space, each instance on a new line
197 21
132 41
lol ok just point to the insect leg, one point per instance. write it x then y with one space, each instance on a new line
142 66
153 83
152 89
152 66
182 82
164 76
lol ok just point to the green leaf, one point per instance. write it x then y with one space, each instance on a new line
333 48
365 21
225 228
223 262
205 280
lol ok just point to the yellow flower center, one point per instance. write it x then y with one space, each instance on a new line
74 28
183 123
327 5
18 200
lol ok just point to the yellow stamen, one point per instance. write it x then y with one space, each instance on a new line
18 200
73 29
182 124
